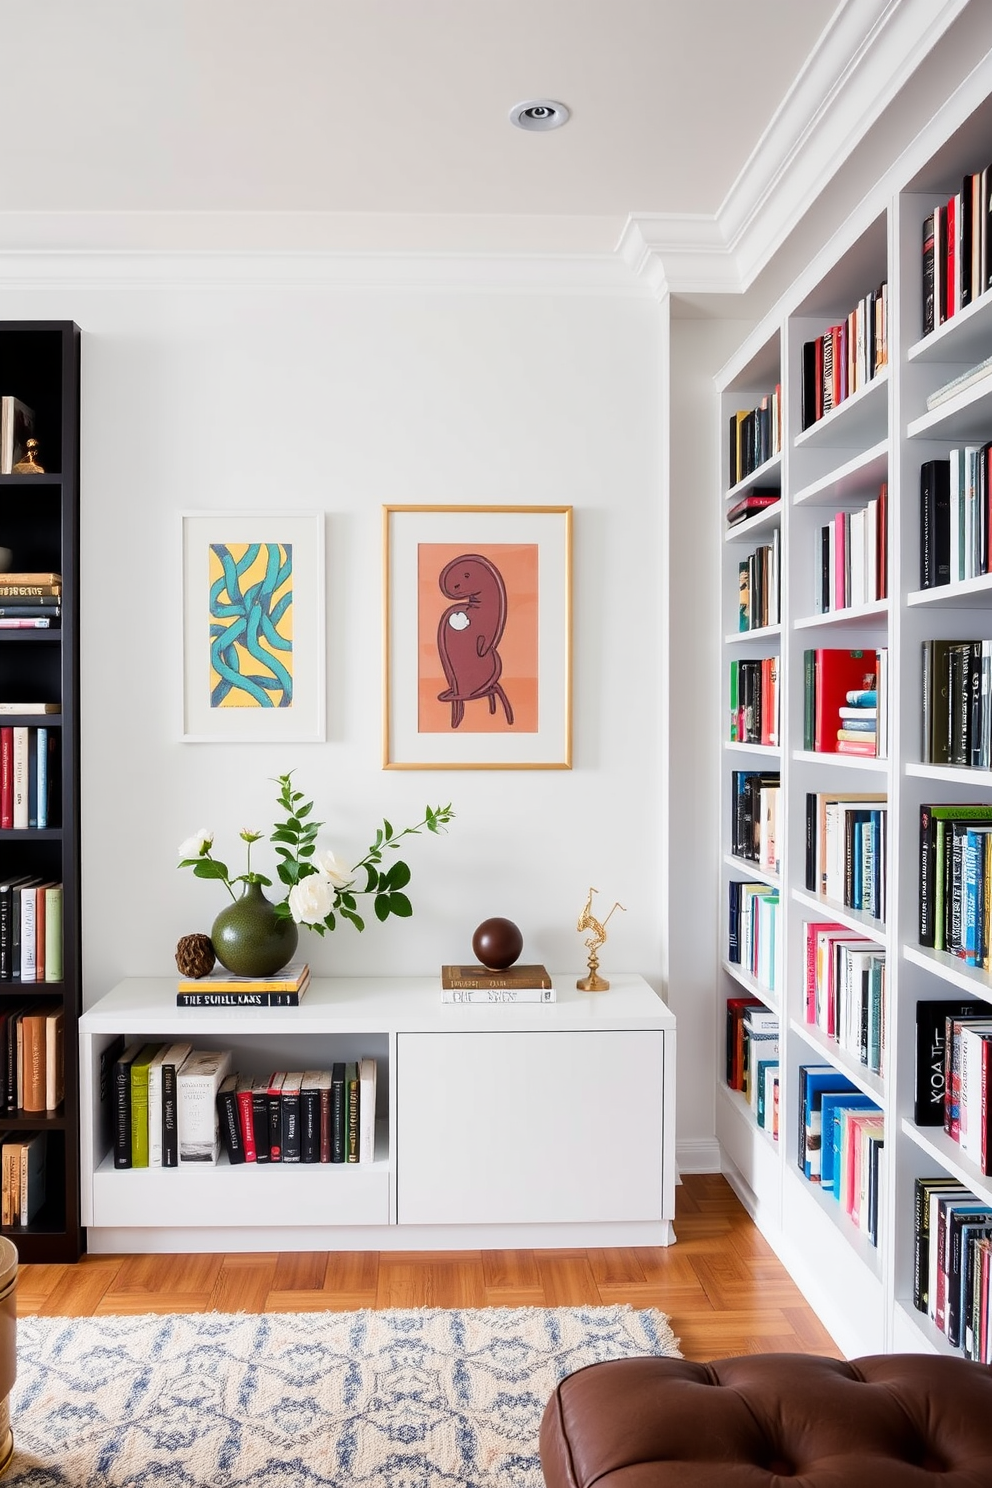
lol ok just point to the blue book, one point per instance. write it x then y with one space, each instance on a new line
42 775
862 697
814 1082
832 1104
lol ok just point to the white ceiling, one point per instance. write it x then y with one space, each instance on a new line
390 106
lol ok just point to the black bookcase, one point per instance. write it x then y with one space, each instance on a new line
39 522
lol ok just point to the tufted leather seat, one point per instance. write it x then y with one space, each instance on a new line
887 1421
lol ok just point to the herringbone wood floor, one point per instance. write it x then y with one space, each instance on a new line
721 1284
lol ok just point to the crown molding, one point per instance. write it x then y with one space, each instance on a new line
865 55
448 273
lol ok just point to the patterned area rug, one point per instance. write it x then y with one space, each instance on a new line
425 1398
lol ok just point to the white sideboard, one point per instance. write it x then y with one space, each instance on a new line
512 1125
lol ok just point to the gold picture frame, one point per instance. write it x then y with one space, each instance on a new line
477 628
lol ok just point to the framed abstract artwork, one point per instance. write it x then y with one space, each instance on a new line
477 626
253 627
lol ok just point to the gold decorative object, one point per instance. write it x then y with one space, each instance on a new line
29 465
587 921
195 955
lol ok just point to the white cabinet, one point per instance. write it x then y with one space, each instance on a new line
524 1125
530 1128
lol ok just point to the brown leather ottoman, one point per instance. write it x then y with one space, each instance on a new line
887 1421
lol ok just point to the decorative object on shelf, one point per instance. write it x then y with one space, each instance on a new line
497 943
195 955
249 933
29 465
587 921
477 637
253 626
251 938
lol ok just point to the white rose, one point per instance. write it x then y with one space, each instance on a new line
329 865
196 846
311 900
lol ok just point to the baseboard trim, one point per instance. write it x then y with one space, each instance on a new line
702 1155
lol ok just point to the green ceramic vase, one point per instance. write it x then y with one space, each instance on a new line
250 939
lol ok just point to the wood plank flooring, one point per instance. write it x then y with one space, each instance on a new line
721 1284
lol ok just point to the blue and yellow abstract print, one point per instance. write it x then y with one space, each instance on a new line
251 625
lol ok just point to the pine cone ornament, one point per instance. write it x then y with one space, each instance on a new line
195 955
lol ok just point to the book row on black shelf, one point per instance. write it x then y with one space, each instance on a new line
846 357
32 1057
29 601
955 518
31 930
175 1105
851 557
29 776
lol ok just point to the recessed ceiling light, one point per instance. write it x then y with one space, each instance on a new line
539 113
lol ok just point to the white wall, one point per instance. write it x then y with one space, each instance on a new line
227 385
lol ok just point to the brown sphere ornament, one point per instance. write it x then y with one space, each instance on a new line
497 943
195 956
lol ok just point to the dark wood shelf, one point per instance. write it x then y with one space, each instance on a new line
39 522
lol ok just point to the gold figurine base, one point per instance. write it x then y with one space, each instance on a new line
593 982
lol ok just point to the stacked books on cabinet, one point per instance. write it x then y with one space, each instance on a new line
179 1106
39 797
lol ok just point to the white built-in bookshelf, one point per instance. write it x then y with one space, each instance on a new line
881 433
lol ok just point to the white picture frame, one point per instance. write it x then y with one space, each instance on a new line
268 640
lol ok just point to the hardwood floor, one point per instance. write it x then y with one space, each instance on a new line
721 1284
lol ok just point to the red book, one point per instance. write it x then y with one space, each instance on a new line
246 1119
735 1018
6 776
837 673
950 272
769 669
841 521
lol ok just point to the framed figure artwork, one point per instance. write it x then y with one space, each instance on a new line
253 627
477 626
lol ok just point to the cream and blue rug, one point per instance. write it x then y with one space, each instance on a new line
425 1398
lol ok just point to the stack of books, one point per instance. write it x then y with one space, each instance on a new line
221 988
479 984
30 600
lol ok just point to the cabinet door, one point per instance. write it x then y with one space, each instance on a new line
518 1128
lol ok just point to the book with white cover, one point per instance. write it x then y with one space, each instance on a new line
366 1110
168 1054
197 1084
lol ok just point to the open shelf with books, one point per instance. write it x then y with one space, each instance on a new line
40 969
455 1084
885 532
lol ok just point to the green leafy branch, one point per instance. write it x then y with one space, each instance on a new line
295 839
